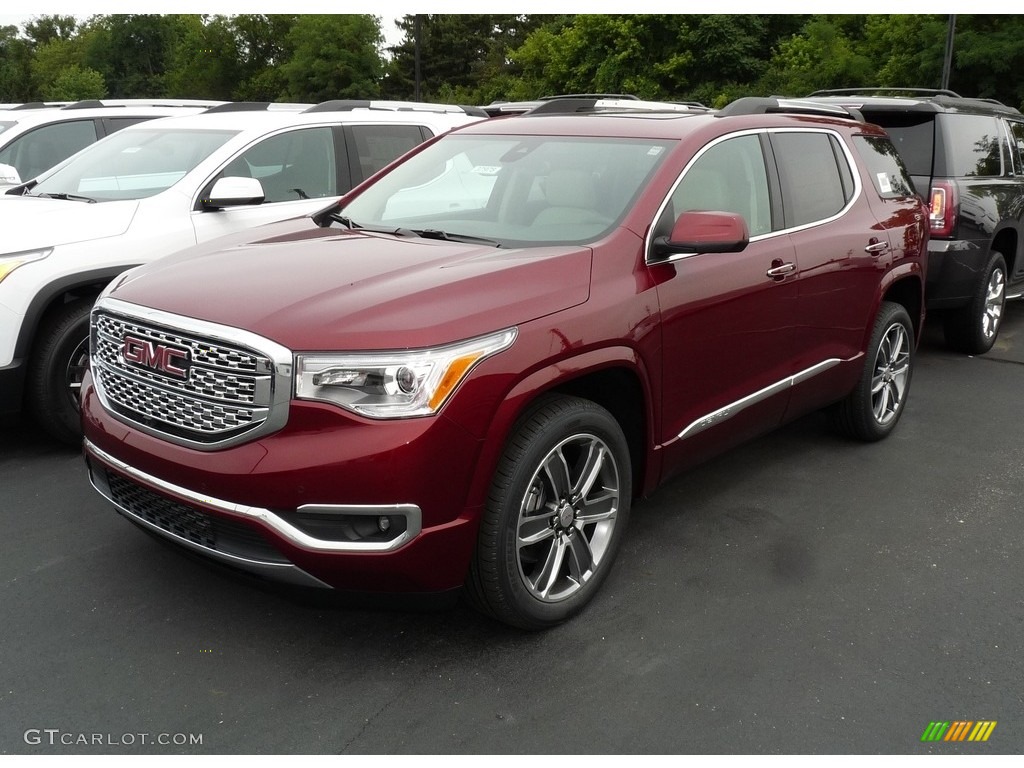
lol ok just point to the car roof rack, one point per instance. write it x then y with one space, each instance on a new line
619 96
30 105
105 103
347 105
757 105
570 105
257 106
875 91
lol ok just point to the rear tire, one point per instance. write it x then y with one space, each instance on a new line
874 407
973 329
56 367
555 516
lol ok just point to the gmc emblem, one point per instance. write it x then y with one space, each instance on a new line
172 361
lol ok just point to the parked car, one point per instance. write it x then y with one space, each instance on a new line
153 189
34 137
966 156
424 386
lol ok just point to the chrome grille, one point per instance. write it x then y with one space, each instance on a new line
226 391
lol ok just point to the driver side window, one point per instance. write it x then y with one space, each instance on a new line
296 165
730 176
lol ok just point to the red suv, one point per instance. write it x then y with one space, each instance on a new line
465 372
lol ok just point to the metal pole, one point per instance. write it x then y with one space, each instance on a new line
416 28
947 64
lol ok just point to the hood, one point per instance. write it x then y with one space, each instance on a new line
320 290
39 222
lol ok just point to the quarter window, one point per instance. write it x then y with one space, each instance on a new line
378 145
888 173
811 177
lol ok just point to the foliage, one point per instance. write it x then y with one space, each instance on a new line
478 58
73 83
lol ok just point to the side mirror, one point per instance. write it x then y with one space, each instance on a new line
704 232
233 190
9 174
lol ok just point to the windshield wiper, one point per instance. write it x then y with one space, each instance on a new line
455 237
65 196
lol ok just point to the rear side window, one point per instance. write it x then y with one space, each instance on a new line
885 167
1017 137
973 145
812 171
378 145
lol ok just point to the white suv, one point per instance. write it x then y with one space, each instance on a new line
35 137
156 188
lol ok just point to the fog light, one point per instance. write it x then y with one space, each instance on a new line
384 523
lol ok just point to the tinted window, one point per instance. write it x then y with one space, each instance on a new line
912 135
730 176
973 145
812 185
885 167
41 149
296 165
1017 137
378 145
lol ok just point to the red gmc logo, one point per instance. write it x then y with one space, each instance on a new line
158 357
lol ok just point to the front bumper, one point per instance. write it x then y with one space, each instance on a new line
303 505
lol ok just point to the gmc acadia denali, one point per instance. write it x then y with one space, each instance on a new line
464 372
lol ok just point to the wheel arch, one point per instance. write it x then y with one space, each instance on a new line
61 291
614 378
1006 241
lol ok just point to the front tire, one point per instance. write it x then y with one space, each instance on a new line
874 407
58 362
555 516
973 329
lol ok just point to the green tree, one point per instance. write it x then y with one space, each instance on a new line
203 59
333 57
74 83
263 46
15 67
132 52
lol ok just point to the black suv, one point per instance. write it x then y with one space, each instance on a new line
966 157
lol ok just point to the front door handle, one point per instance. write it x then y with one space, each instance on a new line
877 248
780 269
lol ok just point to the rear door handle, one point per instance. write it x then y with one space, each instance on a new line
878 248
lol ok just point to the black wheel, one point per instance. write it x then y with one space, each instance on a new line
557 510
58 362
871 411
973 329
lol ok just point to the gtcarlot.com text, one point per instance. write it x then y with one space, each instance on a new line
56 737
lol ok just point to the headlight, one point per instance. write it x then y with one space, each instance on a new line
11 261
394 385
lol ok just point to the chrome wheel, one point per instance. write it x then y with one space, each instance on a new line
74 372
995 297
567 517
891 374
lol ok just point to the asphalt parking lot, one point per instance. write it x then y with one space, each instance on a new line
801 594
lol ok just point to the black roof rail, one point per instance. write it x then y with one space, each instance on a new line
620 96
340 105
239 106
756 105
86 104
28 105
564 106
473 111
875 91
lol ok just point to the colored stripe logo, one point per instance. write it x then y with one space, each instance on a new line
959 730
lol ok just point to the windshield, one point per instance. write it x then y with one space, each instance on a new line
132 164
516 190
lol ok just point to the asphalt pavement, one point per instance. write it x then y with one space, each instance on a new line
800 594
